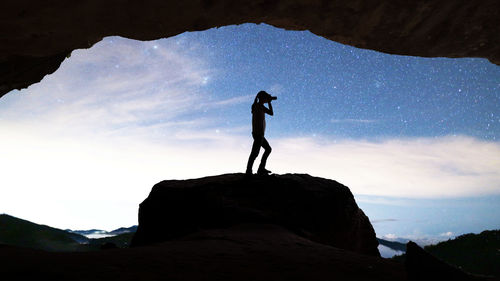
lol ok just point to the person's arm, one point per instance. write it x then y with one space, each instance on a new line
269 110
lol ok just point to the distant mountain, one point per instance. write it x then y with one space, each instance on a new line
99 233
396 246
118 241
23 233
476 253
123 230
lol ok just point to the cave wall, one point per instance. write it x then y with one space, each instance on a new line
36 36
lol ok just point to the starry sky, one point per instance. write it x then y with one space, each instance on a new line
415 139
336 90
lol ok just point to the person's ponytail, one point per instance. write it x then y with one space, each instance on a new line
255 103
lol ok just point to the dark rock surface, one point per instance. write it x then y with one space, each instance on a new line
321 210
36 36
108 246
244 252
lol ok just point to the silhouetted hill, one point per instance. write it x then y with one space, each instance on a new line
476 253
123 230
473 253
317 209
423 266
22 233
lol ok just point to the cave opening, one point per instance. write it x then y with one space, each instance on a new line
116 118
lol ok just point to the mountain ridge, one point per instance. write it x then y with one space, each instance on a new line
92 233
23 233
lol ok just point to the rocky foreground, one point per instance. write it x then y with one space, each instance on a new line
233 227
317 209
243 252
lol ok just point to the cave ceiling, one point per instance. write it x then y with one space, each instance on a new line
36 36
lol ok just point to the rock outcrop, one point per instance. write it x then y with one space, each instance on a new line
320 210
37 36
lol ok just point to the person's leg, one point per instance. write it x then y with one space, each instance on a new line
257 142
267 151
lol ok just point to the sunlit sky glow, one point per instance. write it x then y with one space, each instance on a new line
415 139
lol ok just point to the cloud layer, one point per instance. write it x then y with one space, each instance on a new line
451 166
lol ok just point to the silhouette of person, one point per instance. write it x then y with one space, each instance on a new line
258 128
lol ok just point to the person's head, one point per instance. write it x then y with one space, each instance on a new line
264 97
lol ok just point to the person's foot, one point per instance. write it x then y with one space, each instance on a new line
248 172
263 171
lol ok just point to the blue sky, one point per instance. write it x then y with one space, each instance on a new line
336 90
415 139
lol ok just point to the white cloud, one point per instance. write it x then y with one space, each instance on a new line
382 220
421 239
229 101
390 236
420 167
95 173
387 252
150 86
